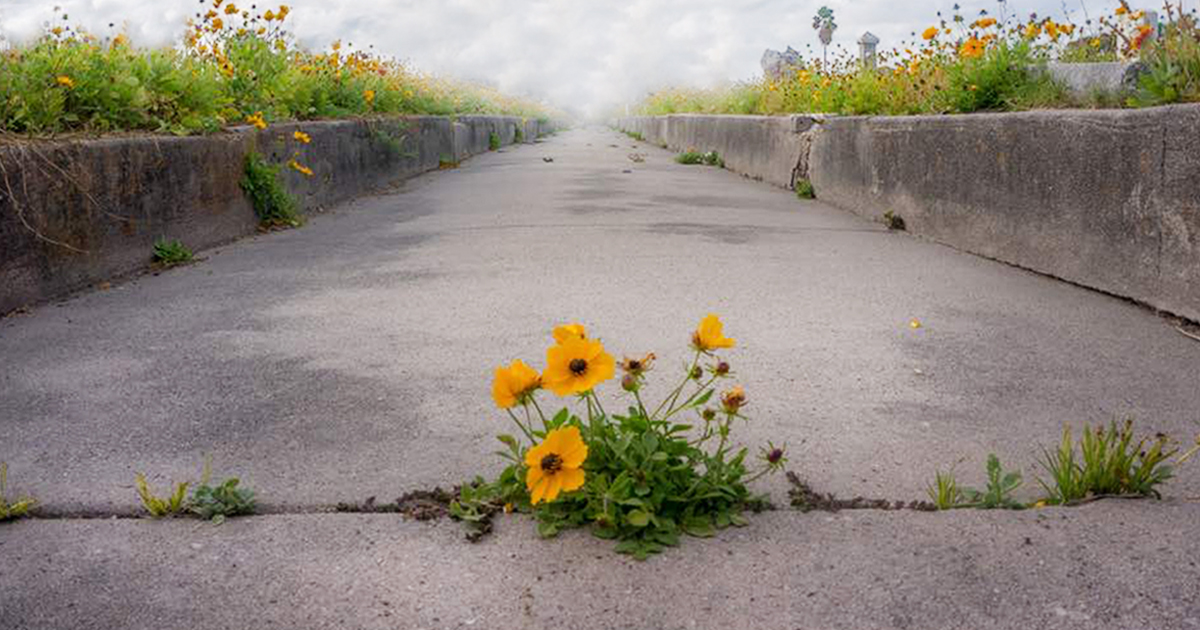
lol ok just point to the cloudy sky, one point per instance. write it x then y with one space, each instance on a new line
583 55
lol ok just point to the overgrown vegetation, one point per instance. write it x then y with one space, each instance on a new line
962 65
273 205
493 141
15 509
171 253
711 158
237 64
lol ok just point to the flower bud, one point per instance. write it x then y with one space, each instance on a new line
629 383
709 414
697 373
775 455
722 368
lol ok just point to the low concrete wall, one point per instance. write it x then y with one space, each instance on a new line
1106 199
771 149
73 213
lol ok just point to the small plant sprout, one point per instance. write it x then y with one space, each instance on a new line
158 507
273 205
221 501
1106 462
944 492
998 494
690 157
171 253
17 508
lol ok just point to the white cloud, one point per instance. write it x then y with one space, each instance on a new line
587 56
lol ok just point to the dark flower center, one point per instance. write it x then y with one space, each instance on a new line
552 463
635 365
578 366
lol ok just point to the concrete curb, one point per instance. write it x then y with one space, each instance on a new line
1105 199
74 213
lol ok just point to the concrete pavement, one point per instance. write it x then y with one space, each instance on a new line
352 358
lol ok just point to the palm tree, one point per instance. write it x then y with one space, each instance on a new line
825 26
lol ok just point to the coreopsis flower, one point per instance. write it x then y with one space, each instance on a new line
569 331
513 384
555 465
972 48
257 120
301 136
300 168
230 9
577 365
930 33
369 96
984 22
709 335
734 399
65 80
638 367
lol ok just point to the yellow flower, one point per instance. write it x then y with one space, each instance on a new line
230 9
1122 10
1033 30
217 24
1040 504
569 331
296 166
971 48
57 30
554 465
269 15
914 324
65 80
301 136
984 22
734 399
257 120
930 33
577 365
283 11
709 335
514 383
369 96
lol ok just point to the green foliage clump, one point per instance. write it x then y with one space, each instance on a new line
171 253
16 509
273 205
493 141
1172 63
519 134
805 190
944 492
1107 462
159 507
222 501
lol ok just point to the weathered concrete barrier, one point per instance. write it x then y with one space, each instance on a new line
1106 199
771 149
73 213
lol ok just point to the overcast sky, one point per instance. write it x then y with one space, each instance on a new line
578 54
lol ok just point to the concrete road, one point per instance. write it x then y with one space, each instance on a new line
352 358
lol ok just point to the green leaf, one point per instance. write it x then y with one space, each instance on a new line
638 518
547 529
699 527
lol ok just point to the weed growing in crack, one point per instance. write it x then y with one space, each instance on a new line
643 477
894 221
1106 462
945 492
805 190
172 505
16 509
690 157
273 205
171 253
493 141
998 494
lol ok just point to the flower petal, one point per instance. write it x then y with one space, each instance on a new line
539 490
553 485
571 479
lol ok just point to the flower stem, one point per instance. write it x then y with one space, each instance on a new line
545 423
524 430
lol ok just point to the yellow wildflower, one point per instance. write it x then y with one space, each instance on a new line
930 33
555 465
971 48
301 136
65 80
57 30
369 96
569 331
230 9
577 365
984 22
513 384
1033 30
257 120
217 25
296 166
709 335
